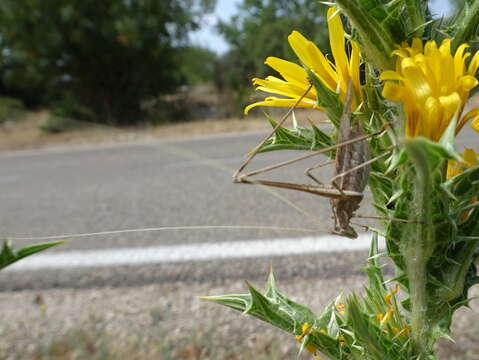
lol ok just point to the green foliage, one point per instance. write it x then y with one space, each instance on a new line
109 56
298 138
10 109
277 309
55 124
374 29
430 223
8 255
349 330
465 24
67 115
198 65
260 30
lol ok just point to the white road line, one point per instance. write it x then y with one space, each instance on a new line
191 252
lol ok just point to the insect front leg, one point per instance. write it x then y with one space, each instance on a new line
308 170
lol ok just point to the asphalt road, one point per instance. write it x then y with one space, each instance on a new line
167 183
175 183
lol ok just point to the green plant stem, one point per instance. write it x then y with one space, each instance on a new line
418 250
419 324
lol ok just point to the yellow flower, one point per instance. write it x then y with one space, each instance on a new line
306 330
341 308
469 159
404 331
384 318
388 296
388 316
295 82
433 85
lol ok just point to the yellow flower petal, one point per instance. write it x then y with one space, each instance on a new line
323 68
354 64
299 45
468 82
450 105
390 75
400 53
285 88
289 71
416 80
474 115
459 58
278 102
392 91
475 123
417 46
468 159
336 39
445 48
433 85
473 65
313 58
295 80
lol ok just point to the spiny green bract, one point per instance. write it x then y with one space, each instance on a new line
8 255
349 330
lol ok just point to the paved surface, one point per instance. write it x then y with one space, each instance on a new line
138 311
170 183
141 186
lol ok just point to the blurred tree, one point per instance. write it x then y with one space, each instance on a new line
105 57
198 64
260 29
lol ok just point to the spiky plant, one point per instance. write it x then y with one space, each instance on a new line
415 77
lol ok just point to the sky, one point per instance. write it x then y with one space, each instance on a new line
208 37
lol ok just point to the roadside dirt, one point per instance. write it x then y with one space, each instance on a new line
169 321
27 134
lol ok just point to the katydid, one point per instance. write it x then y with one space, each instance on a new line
350 175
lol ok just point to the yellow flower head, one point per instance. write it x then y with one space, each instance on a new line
340 308
294 81
433 86
469 159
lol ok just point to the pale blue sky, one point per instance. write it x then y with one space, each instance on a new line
208 37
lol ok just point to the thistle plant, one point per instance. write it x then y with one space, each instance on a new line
413 76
